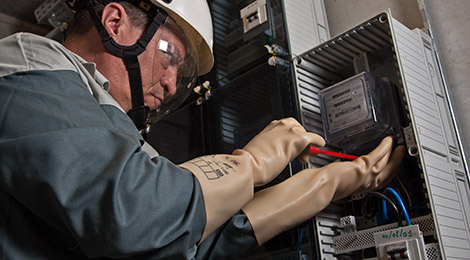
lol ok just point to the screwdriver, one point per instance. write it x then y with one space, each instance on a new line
315 151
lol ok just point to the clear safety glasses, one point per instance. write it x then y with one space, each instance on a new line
176 59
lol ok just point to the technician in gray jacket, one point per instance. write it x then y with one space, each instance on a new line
77 180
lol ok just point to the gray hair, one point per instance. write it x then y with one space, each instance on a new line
82 21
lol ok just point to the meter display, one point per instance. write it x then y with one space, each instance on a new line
359 112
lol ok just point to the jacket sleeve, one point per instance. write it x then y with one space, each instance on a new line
79 167
230 240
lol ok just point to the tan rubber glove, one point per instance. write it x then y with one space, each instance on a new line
278 144
227 181
287 204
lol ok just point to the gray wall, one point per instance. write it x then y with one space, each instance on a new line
450 24
18 16
10 24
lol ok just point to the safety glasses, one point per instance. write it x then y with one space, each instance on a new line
176 54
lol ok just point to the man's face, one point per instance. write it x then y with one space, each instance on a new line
160 64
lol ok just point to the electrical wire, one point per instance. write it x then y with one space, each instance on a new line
391 191
407 194
384 198
300 238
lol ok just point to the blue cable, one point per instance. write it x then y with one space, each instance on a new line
384 211
301 236
400 201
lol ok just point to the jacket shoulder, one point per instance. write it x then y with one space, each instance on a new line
25 51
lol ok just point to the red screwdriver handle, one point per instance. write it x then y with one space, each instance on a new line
315 151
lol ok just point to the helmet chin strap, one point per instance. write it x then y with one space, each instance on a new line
139 111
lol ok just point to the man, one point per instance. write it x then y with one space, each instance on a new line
78 180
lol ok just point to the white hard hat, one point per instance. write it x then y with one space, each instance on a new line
189 20
194 16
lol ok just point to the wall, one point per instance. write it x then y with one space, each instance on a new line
10 24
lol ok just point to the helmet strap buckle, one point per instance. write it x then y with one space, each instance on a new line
139 116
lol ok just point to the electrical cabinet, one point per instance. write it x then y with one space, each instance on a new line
433 177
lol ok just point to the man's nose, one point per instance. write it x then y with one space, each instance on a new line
168 81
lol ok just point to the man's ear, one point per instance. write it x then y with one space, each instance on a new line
115 20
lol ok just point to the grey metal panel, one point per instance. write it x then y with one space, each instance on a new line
437 83
448 129
327 226
306 24
446 201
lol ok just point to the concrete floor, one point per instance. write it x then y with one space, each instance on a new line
450 24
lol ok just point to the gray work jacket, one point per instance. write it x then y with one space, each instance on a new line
78 181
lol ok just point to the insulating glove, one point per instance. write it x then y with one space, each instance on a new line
291 202
227 181
278 144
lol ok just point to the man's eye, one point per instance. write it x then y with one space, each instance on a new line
175 60
167 54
